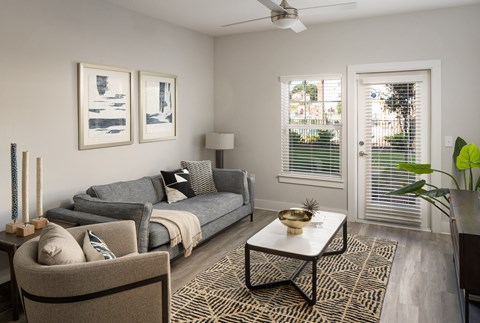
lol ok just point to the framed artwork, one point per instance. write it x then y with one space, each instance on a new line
104 106
157 106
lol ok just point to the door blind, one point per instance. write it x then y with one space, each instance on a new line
393 135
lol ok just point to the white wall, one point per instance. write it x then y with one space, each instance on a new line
247 91
41 43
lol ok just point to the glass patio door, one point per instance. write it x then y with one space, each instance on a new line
393 127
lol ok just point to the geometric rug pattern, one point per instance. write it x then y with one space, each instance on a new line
350 287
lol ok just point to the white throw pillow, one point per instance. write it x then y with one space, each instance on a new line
57 246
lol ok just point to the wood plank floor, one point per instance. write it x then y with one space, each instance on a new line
421 287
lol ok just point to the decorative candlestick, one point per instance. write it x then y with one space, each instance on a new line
25 214
39 204
12 227
40 222
25 229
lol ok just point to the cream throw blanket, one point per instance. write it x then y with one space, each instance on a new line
182 226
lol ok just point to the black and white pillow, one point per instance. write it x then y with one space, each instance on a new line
177 185
202 176
95 248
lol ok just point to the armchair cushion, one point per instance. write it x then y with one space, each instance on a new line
95 248
57 246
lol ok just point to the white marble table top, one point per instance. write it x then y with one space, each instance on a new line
310 243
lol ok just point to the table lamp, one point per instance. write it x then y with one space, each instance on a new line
219 142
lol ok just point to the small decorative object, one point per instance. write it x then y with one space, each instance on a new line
12 227
311 205
158 106
40 222
295 219
104 106
24 230
25 210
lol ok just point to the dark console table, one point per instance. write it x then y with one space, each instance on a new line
465 229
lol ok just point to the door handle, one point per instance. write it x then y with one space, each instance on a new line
362 153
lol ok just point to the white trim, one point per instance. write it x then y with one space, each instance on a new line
434 66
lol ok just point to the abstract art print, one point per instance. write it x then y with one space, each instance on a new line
158 106
104 106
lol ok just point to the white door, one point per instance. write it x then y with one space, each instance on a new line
392 128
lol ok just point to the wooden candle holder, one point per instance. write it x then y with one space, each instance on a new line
12 227
39 223
25 230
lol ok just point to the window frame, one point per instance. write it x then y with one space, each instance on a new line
311 179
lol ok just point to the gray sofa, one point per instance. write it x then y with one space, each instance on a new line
134 200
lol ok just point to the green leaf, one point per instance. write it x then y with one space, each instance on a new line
469 157
416 168
413 188
459 143
439 192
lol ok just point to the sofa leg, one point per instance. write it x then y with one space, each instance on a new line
251 217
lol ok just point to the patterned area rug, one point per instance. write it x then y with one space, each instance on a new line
351 287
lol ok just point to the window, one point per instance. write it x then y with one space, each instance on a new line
312 123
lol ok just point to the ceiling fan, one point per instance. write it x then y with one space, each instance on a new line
285 16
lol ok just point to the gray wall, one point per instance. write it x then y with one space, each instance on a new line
247 90
41 43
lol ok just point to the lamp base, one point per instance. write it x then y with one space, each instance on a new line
219 158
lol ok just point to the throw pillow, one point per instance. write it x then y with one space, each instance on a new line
56 246
95 248
202 176
177 185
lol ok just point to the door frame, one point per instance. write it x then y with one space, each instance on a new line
439 223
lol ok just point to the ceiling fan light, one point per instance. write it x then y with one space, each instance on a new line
285 23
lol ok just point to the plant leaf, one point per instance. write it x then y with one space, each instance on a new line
459 143
416 168
439 192
469 157
413 188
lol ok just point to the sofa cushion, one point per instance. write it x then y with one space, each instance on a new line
138 212
177 185
56 246
139 191
201 175
207 207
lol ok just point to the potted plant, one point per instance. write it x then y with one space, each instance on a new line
466 157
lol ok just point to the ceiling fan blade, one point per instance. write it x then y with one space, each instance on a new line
298 27
272 6
337 3
243 22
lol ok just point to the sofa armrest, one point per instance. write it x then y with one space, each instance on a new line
251 189
138 212
232 180
74 218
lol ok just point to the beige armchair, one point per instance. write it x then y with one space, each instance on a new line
131 288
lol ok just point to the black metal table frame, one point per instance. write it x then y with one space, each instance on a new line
306 259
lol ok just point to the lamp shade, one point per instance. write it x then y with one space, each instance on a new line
219 141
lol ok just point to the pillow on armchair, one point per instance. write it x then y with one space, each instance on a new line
56 246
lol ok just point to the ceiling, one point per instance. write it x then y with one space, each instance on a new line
207 16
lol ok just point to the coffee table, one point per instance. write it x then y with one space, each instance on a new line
308 246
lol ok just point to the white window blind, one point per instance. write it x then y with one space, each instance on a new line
394 135
311 127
